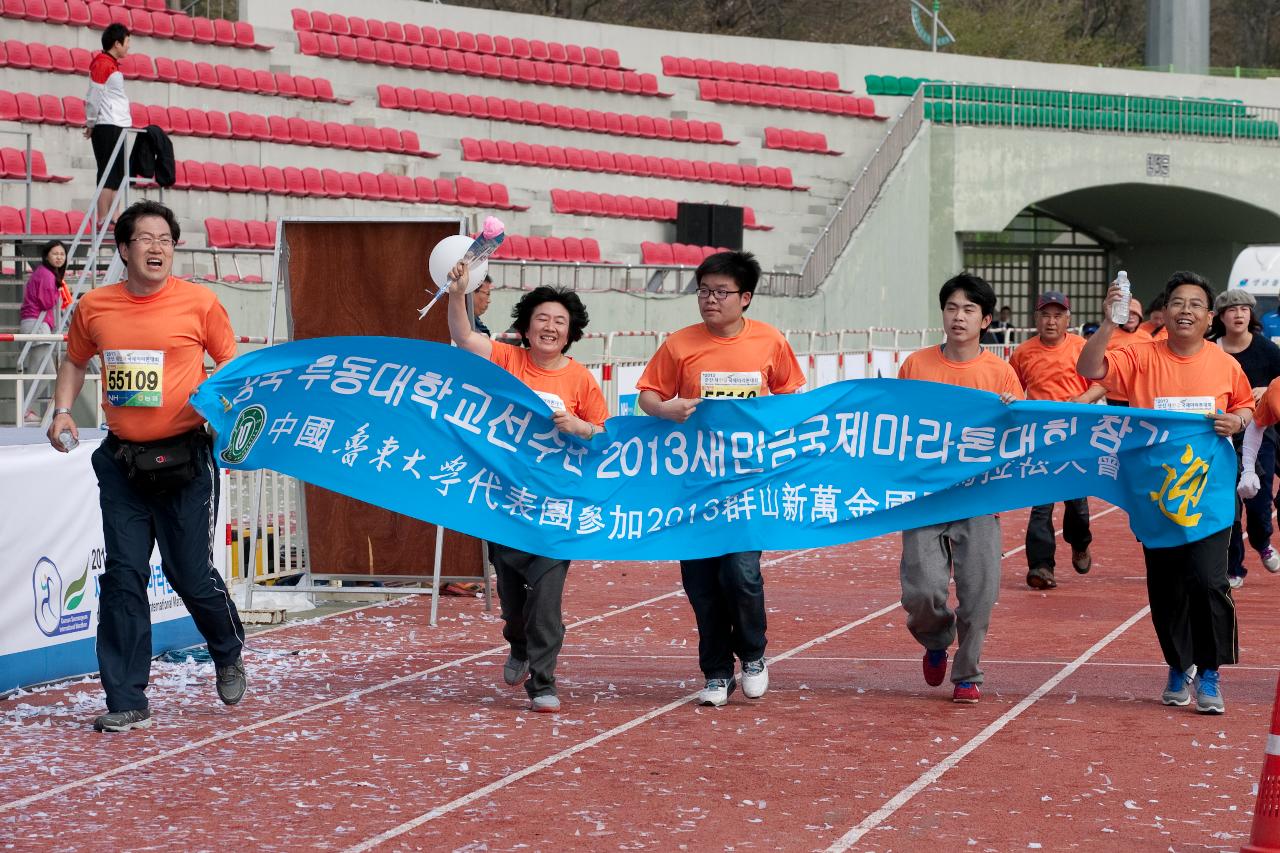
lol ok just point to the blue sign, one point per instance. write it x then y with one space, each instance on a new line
436 433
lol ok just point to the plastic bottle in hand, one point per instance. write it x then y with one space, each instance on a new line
69 441
1120 310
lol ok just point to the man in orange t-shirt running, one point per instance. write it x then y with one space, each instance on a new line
1191 605
150 334
1046 367
969 548
725 357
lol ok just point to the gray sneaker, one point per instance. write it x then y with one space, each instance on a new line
548 703
1208 696
1178 690
514 670
231 682
123 721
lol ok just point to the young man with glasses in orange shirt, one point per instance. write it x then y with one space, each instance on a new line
726 356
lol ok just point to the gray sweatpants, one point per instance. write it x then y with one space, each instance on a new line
530 589
969 548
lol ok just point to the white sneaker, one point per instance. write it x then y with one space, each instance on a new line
1235 581
755 678
1270 559
716 693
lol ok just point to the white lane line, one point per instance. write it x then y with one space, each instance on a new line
1023 546
169 753
505 781
926 779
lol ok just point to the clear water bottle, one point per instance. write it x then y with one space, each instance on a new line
1120 310
69 441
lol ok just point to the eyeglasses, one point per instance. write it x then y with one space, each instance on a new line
1193 305
719 293
146 241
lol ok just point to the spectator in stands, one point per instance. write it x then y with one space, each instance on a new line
480 304
1191 605
1236 329
1154 324
107 115
155 468
967 548
1046 368
530 588
45 292
724 356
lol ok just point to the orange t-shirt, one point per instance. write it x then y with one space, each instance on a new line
571 388
1120 338
1049 373
1268 411
987 372
1145 373
695 363
151 350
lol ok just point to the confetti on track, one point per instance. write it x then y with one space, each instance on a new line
369 729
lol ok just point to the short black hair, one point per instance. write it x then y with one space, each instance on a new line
1182 277
1158 303
522 314
742 267
974 287
129 220
113 35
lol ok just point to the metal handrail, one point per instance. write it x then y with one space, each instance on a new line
857 202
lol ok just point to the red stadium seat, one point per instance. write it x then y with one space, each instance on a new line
216 234
261 234
445 191
255 179
216 177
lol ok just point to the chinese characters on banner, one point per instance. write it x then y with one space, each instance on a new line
436 433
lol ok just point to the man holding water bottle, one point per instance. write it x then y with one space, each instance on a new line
157 479
1191 605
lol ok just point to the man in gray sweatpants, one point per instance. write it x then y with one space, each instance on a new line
969 548
972 547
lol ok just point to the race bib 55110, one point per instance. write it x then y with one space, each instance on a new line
730 383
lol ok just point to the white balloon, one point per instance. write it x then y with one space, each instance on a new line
446 254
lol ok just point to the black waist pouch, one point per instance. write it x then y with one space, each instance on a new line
163 465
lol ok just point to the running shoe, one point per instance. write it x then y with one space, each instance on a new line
548 703
1235 581
755 678
1178 690
123 721
514 670
231 682
966 693
1041 577
1208 696
1270 559
717 691
935 666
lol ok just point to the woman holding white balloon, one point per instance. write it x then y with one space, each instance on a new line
549 320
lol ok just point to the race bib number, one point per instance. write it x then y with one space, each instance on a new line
716 383
134 377
1195 405
552 401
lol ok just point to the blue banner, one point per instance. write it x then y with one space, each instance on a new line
438 434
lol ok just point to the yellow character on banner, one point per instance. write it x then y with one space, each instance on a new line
1181 493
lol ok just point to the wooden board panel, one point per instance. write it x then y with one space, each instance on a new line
369 278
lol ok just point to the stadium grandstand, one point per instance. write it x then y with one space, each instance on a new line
860 187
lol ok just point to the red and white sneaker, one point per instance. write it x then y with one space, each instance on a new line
966 693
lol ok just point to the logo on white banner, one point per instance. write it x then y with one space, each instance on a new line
55 607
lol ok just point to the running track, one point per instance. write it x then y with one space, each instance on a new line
370 730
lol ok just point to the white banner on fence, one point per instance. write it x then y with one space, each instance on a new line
51 528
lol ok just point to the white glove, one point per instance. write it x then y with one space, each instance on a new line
1249 485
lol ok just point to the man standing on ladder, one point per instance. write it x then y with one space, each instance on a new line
106 109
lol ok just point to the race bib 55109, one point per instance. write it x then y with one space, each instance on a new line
134 377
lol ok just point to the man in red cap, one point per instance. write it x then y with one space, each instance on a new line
1046 367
